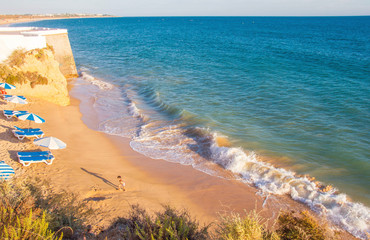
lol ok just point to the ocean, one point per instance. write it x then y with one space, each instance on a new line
270 101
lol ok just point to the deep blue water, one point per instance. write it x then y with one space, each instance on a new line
293 90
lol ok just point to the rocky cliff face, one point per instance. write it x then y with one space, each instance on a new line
42 62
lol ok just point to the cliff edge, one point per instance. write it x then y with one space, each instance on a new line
36 73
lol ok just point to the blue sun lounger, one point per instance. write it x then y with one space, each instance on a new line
6 171
21 135
26 158
26 129
10 113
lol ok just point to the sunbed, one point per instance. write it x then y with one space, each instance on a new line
26 158
10 113
21 135
26 129
30 154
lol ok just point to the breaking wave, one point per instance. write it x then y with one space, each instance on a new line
177 136
97 82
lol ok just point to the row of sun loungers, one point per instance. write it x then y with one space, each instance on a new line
26 158
22 133
10 113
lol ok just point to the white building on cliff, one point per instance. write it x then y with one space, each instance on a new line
12 38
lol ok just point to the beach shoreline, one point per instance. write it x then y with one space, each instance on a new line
96 159
90 164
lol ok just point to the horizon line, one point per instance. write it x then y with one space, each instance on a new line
111 15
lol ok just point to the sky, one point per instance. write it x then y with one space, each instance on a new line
190 7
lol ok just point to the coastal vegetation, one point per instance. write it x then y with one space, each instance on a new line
10 71
250 226
36 73
29 209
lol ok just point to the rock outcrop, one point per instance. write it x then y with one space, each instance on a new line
42 62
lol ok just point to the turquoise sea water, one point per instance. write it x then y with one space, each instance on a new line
294 92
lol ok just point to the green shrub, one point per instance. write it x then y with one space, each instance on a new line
248 227
4 71
169 224
16 196
61 212
16 58
35 79
51 48
14 226
65 210
301 227
12 75
17 77
20 218
40 54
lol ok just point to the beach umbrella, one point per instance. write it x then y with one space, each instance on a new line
50 142
16 99
7 86
30 117
5 171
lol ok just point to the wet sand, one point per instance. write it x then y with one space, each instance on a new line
90 164
92 161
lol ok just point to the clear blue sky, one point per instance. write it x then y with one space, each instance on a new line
190 7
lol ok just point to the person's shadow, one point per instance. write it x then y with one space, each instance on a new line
103 179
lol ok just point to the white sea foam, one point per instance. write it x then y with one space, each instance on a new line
353 217
167 143
134 111
171 141
97 82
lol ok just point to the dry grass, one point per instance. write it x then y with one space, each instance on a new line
30 207
251 226
10 73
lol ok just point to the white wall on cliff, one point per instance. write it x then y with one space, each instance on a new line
12 38
8 43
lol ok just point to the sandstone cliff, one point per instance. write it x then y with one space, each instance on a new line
50 84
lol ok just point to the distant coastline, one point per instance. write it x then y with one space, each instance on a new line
7 19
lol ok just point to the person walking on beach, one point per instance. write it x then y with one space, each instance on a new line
121 184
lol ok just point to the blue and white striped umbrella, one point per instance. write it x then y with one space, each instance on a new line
7 86
31 117
6 171
16 99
